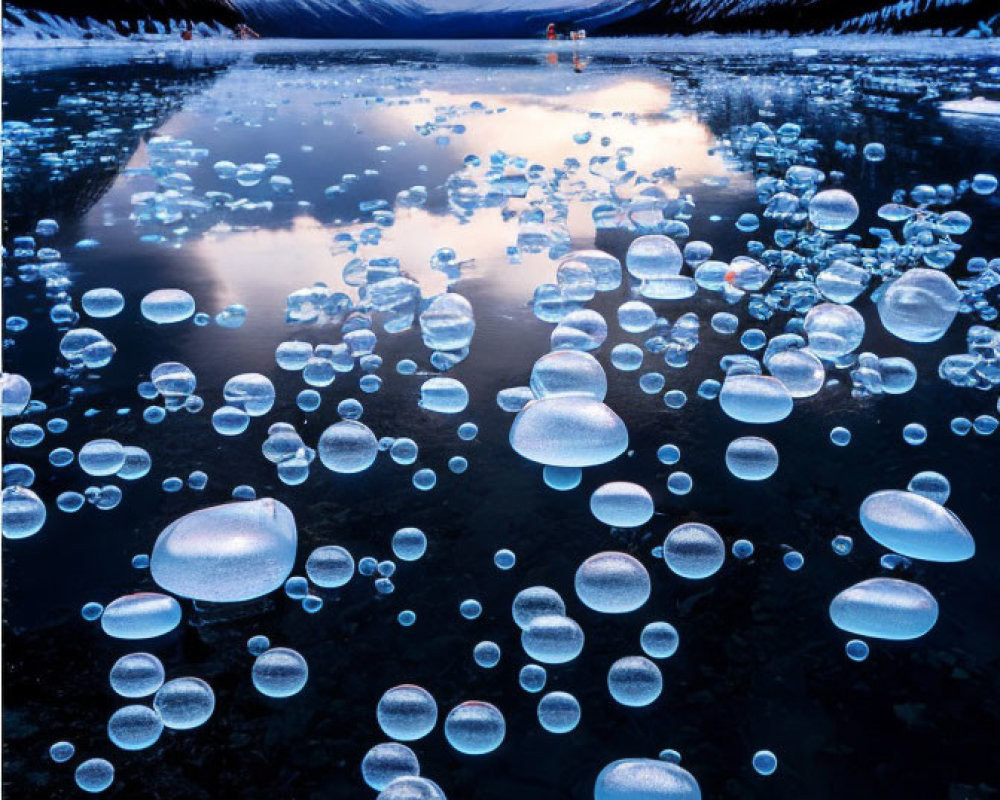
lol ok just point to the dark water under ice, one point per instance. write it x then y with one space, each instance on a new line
760 664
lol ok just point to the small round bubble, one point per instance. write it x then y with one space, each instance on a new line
386 762
840 436
764 762
61 752
856 650
742 549
407 712
679 483
134 727
95 775
486 654
475 727
914 433
258 644
424 479
280 672
659 640
406 618
532 678
793 560
634 681
558 712
137 675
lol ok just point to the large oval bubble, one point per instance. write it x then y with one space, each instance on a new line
227 553
916 526
885 608
757 399
645 779
568 431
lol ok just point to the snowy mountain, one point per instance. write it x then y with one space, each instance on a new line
978 17
432 18
517 18
110 19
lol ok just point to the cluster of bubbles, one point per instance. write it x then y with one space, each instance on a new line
811 271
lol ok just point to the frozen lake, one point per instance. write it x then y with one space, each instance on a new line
518 175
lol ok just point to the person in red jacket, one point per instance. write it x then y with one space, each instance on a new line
550 32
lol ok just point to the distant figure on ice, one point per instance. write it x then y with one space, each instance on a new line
550 32
244 31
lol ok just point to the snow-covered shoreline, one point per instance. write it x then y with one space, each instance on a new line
798 45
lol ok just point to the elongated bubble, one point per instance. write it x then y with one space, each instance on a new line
166 306
756 399
916 526
622 504
885 608
144 615
552 639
